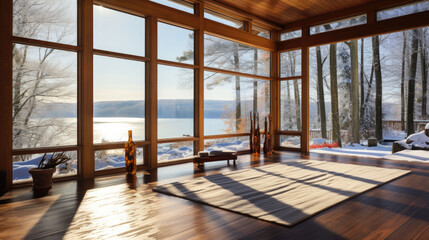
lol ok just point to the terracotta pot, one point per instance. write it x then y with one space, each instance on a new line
42 178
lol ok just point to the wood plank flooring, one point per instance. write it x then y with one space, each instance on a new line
114 207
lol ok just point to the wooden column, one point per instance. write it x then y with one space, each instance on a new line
199 81
151 93
6 95
85 89
305 108
275 92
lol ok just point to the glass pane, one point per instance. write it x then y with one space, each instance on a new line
48 20
175 43
291 35
174 151
23 163
228 101
118 32
44 97
261 32
290 64
290 107
114 158
403 10
343 23
119 93
228 55
290 141
233 144
177 4
175 102
212 15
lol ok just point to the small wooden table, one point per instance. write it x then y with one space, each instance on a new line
211 158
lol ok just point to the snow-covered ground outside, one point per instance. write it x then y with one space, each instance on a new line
381 151
115 158
108 159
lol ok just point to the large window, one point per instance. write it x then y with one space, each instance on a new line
119 83
175 92
228 55
48 20
118 32
290 99
118 99
416 7
218 17
228 101
343 23
175 44
290 105
44 97
372 87
52 86
177 4
175 102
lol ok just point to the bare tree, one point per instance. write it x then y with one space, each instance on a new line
404 52
320 92
40 78
378 88
424 70
412 81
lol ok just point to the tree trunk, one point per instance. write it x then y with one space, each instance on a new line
297 104
355 90
255 82
362 82
404 51
412 82
423 59
336 135
378 88
288 104
237 91
320 93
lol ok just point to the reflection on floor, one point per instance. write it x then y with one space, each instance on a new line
115 207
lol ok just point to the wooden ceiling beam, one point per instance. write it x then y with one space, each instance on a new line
407 22
350 12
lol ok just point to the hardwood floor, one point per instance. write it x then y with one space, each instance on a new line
114 207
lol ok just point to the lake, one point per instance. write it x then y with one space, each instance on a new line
116 129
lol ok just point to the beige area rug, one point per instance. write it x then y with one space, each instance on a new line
284 193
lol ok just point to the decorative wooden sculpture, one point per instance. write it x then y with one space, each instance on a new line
255 134
268 145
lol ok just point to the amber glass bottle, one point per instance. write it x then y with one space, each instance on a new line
130 154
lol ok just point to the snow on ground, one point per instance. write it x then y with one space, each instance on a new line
380 152
357 150
115 158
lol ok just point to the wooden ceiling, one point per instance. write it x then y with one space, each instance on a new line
283 12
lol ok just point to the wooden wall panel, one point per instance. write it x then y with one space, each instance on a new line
6 95
85 89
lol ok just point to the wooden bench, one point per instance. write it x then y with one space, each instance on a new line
211 158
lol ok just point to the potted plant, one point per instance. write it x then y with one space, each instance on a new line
42 175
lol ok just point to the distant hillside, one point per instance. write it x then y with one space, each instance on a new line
166 109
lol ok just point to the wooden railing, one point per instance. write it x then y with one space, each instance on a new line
419 125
